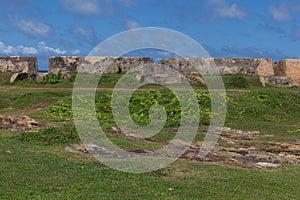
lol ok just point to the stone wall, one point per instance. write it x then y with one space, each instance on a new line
283 73
23 64
94 64
248 66
158 73
288 68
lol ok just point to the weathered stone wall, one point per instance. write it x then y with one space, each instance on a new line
289 68
248 66
95 64
24 64
283 73
158 73
279 81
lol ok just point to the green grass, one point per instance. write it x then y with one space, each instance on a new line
34 165
5 77
269 110
17 99
46 172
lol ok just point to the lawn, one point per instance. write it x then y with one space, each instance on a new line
34 165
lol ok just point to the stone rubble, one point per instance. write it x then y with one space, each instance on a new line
18 123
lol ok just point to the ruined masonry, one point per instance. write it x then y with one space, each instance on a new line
288 68
24 67
94 64
284 73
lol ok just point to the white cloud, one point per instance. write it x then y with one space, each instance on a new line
75 52
46 49
223 9
16 50
131 24
83 7
280 12
42 48
33 28
27 50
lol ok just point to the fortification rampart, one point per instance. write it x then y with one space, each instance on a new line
282 73
95 64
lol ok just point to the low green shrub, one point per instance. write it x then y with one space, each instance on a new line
52 78
61 110
51 136
296 131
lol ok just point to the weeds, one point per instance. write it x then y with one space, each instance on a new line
51 136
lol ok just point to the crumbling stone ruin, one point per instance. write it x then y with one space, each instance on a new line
284 73
68 64
289 68
24 67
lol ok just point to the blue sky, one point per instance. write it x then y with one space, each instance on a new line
225 28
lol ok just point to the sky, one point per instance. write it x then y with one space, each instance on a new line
225 28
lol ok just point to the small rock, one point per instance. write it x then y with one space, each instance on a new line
76 148
66 77
7 152
116 130
40 76
285 146
265 165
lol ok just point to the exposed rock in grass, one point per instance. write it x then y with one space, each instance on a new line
18 123
238 147
195 79
235 147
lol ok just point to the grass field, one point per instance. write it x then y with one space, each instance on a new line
34 165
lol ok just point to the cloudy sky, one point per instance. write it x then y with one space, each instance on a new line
225 28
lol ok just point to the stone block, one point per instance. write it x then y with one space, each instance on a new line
19 77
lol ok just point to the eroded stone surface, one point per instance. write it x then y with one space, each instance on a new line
289 68
279 81
248 66
284 73
95 64
24 64
18 123
234 147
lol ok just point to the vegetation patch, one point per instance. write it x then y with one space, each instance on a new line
63 135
